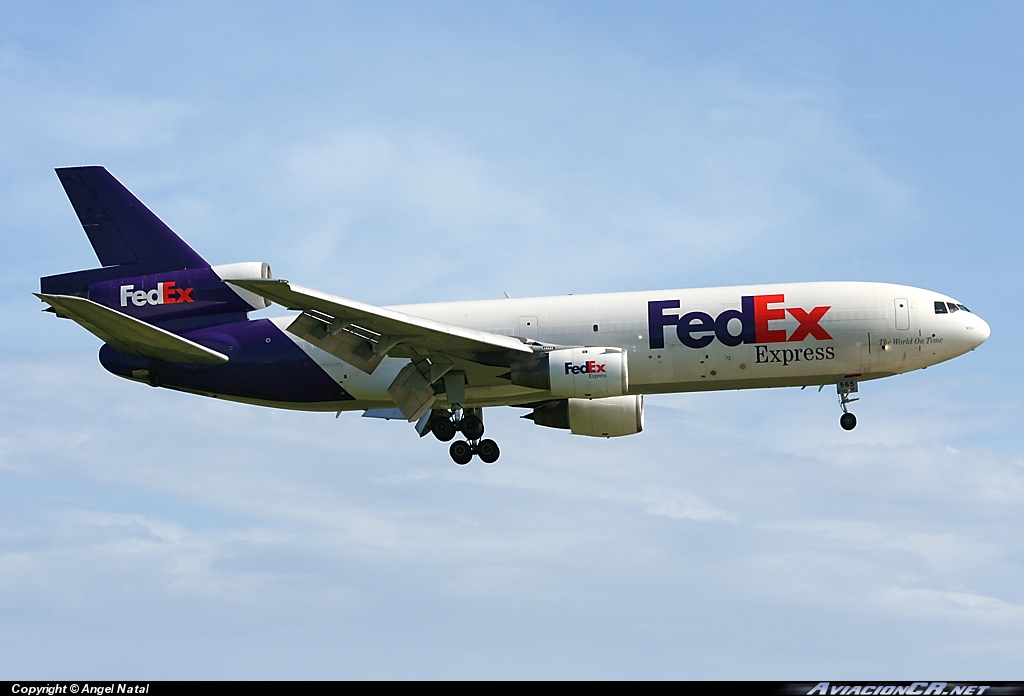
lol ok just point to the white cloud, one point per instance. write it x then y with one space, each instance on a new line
951 605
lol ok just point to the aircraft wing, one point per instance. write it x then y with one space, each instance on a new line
362 334
129 335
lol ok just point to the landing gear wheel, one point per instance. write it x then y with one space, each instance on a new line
472 427
844 388
488 451
443 429
461 452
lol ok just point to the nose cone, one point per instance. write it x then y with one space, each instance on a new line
978 331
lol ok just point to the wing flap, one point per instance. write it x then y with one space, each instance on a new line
412 393
362 334
346 345
129 335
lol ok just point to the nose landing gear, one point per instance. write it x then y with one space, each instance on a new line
844 388
469 422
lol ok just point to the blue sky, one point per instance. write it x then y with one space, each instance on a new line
408 152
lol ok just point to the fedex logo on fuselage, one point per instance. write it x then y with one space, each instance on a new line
698 329
590 367
165 293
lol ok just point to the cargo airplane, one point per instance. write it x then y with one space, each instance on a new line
582 363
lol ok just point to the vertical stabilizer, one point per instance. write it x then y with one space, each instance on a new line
120 228
128 238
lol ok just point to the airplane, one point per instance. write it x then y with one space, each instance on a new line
581 363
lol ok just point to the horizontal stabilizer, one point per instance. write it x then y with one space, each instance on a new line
129 335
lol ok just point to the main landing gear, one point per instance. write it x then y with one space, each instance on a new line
844 388
445 424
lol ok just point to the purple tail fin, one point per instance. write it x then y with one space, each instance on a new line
126 236
148 271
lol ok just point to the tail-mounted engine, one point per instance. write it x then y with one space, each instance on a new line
587 373
611 417
247 270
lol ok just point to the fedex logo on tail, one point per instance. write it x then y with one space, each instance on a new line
590 367
753 321
165 293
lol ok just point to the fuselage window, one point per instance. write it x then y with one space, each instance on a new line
952 307
940 307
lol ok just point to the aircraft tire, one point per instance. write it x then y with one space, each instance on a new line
488 451
443 429
461 452
472 427
848 421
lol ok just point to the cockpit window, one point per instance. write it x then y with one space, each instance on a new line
949 307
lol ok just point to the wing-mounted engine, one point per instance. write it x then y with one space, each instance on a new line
588 373
611 417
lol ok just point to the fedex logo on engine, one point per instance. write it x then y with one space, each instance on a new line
753 319
590 367
165 293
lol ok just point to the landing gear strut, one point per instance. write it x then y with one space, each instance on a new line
445 424
844 388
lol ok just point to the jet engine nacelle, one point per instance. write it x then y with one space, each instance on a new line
611 417
587 373
246 270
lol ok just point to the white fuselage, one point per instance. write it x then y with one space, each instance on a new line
805 334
